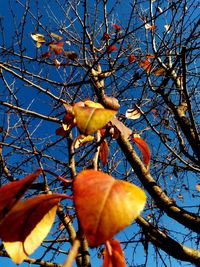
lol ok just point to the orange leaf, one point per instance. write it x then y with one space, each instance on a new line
58 37
146 64
105 206
27 225
46 55
91 119
131 58
104 151
114 255
198 187
11 193
56 48
159 71
116 27
143 148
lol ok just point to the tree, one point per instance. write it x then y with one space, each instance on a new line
141 56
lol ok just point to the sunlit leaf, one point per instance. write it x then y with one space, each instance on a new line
104 151
89 103
198 187
159 71
133 113
58 37
114 255
150 27
11 193
144 148
90 119
146 64
82 139
27 225
104 205
39 38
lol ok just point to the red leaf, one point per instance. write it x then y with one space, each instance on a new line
144 148
116 27
111 48
113 255
146 64
55 48
60 131
105 37
104 151
131 58
11 193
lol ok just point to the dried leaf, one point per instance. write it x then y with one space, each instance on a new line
104 151
150 27
56 48
105 37
58 37
111 102
133 114
146 64
71 55
159 71
91 119
114 255
82 139
131 59
39 38
111 48
46 55
11 193
57 63
116 27
27 225
144 148
108 204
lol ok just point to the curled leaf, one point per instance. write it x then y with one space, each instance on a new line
82 139
111 102
108 204
39 38
144 148
133 114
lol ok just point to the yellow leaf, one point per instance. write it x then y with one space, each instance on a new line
91 104
91 119
82 139
39 38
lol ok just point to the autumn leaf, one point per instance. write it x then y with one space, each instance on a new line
57 63
105 37
108 204
198 187
91 104
111 102
159 71
111 48
27 225
104 151
11 193
39 38
56 48
144 148
150 27
82 139
113 255
46 55
131 59
146 64
116 27
133 113
71 55
58 37
91 119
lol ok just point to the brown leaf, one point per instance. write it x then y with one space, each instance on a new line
104 151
